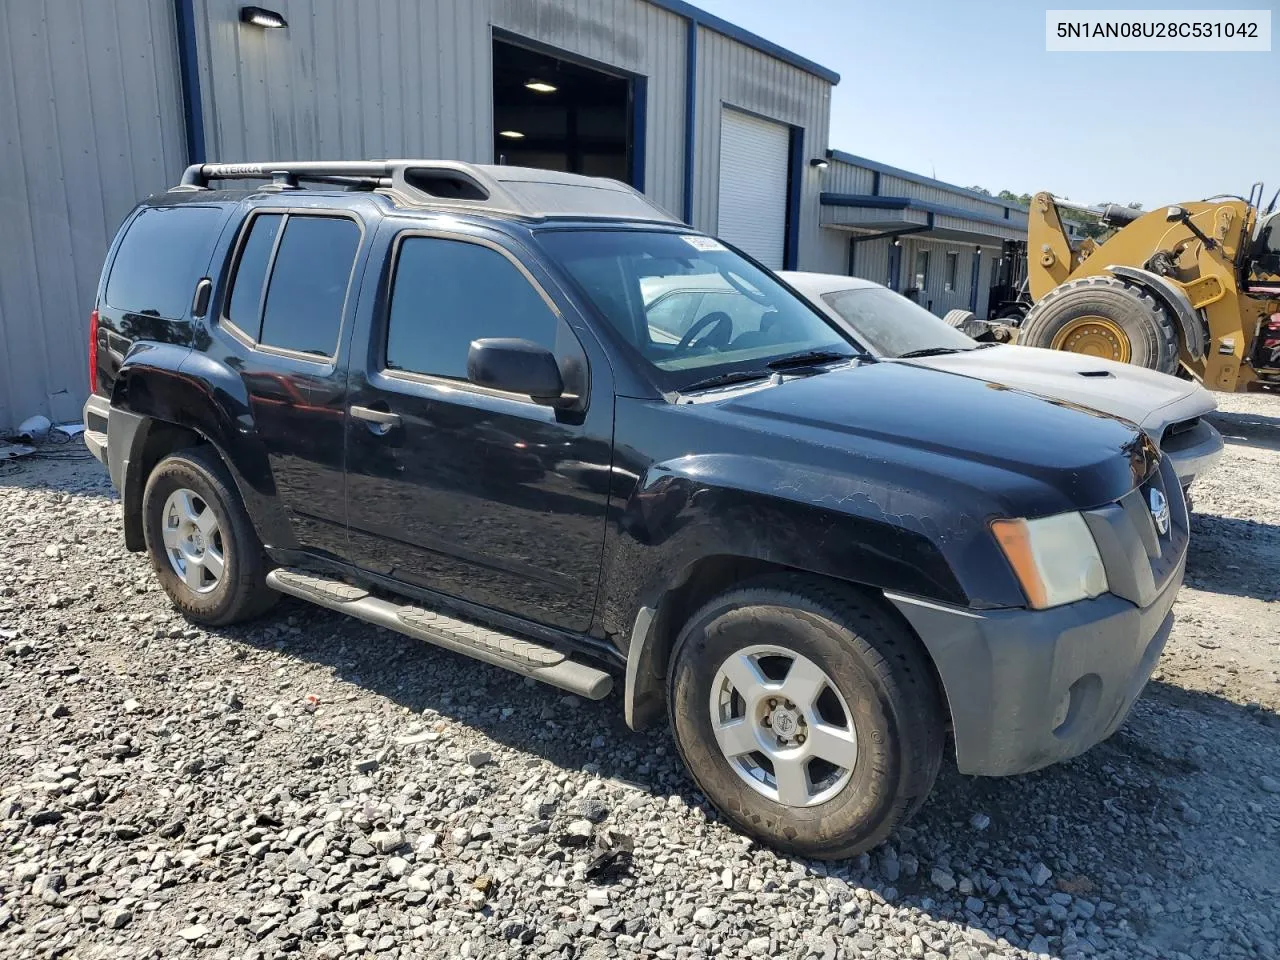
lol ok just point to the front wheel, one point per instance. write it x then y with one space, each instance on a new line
809 716
202 544
1104 317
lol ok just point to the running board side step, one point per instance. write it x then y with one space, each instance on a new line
526 657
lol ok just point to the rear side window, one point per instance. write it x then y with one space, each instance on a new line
163 254
245 307
305 263
447 293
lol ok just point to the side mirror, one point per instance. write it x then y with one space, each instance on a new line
1175 215
516 366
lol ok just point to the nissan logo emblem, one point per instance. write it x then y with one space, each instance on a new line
1160 511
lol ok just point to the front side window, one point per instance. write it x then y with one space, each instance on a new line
446 293
892 325
742 320
305 263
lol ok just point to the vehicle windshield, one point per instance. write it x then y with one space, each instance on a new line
892 325
691 308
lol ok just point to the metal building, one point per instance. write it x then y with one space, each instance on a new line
105 103
932 241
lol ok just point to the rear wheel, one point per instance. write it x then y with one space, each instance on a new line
806 714
1104 317
203 547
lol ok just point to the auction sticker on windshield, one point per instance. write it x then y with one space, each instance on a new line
704 244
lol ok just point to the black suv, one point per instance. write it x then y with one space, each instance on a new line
444 399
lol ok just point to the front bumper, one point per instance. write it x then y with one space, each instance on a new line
1193 451
1028 688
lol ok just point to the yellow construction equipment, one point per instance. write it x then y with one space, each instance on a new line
1193 287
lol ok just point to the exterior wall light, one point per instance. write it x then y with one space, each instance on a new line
262 17
818 163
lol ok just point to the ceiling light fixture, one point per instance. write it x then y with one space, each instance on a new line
541 86
262 17
511 134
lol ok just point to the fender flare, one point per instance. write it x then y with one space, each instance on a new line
1173 298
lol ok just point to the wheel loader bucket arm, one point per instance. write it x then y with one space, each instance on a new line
1050 258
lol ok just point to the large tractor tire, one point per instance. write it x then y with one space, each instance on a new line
1104 317
957 318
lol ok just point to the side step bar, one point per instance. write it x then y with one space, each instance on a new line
526 657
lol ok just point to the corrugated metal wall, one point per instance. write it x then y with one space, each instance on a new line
935 295
413 78
378 78
841 177
732 74
90 121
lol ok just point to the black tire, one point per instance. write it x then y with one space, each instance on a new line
879 668
1013 316
958 318
241 593
1152 333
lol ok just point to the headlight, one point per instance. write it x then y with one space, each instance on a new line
1055 558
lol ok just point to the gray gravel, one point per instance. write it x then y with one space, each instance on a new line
309 784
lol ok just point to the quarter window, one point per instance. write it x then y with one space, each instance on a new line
306 264
159 260
447 293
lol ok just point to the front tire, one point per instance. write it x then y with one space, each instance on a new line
1104 317
808 715
202 544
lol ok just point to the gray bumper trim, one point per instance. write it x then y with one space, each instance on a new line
97 411
1195 451
1008 674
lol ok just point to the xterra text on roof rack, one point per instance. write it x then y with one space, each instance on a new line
437 397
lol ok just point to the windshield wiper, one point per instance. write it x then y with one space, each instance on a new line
932 352
725 379
810 358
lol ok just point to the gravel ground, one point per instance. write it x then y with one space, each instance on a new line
309 784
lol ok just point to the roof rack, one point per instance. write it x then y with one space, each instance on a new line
518 191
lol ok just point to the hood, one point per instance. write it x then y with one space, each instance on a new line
1152 400
956 428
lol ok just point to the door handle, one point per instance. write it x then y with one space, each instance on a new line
379 421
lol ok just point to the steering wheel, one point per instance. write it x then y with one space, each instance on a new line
718 337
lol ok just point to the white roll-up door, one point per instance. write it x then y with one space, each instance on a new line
753 185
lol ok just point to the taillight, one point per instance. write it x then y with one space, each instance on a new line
93 351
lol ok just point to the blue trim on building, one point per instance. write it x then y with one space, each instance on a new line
869 201
879 168
639 128
746 37
973 283
189 68
796 168
690 113
894 280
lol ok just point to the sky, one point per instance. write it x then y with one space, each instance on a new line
965 92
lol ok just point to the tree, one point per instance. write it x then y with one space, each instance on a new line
1011 197
983 190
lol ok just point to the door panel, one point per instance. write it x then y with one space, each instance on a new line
280 329
472 493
